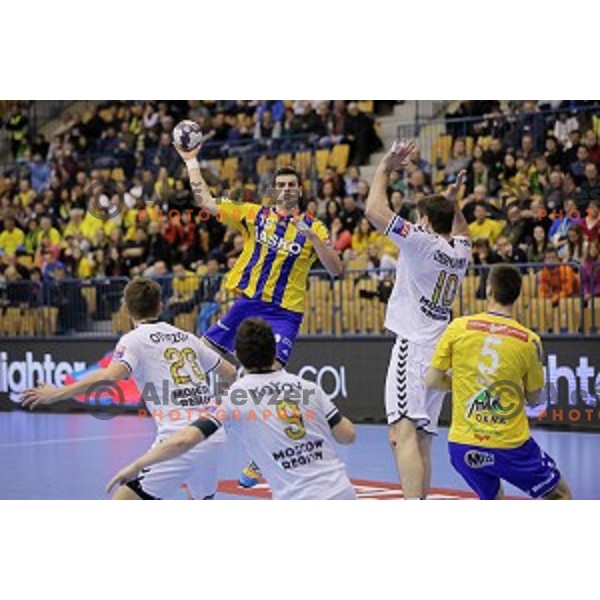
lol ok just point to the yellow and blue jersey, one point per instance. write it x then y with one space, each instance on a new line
494 361
277 256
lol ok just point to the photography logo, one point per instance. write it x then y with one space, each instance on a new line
105 399
498 403
104 199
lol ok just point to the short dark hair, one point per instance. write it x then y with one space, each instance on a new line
505 281
440 212
287 171
142 298
255 344
550 249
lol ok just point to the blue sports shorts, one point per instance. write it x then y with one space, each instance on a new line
527 467
285 324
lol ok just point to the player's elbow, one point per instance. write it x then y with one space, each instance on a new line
534 398
377 216
114 372
351 435
371 211
336 268
344 432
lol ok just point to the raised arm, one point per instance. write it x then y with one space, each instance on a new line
200 189
459 225
377 209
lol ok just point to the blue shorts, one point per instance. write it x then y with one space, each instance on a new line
285 324
527 467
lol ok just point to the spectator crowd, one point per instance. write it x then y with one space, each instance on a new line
121 153
532 193
533 189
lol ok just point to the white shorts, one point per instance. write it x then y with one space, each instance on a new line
405 393
199 468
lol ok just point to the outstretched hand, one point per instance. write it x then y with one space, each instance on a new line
399 155
125 475
39 396
454 188
188 154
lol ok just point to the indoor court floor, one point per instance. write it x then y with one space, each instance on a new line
53 456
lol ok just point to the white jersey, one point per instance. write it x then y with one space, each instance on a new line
170 367
284 423
429 272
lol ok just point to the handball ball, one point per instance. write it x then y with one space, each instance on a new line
187 135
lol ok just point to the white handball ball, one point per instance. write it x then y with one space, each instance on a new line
187 135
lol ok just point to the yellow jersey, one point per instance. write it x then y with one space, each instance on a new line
11 240
360 242
489 230
277 256
186 286
85 269
27 197
72 229
91 225
53 235
494 360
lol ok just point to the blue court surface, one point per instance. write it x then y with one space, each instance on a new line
51 456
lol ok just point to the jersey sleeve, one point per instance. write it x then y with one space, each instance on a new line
322 233
209 359
126 353
410 238
208 424
534 377
330 410
233 213
442 357
463 246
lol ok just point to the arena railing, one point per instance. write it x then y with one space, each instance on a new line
353 305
